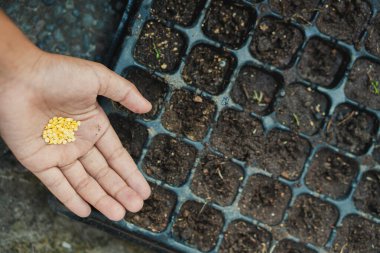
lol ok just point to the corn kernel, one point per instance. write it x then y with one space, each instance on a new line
60 130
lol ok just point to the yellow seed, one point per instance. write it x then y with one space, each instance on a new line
60 130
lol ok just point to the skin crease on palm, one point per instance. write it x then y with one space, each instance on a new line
35 86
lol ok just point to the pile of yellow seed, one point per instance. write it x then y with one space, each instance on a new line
60 130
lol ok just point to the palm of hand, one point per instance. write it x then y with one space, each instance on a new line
95 169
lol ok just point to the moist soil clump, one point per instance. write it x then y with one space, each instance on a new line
302 109
169 160
228 22
298 10
331 173
152 88
367 193
255 89
156 210
373 37
246 238
322 63
208 68
363 84
182 12
344 20
131 134
265 199
198 225
188 114
351 129
275 42
357 235
311 220
217 179
159 47
289 246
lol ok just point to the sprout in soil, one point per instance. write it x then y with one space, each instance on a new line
258 96
156 51
296 119
375 87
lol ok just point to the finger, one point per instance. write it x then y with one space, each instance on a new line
97 166
56 182
91 191
119 159
121 90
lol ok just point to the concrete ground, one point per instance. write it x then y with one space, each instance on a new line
79 28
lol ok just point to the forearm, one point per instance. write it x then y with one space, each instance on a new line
16 51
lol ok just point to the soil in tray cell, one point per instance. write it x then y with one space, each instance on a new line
363 84
238 135
198 225
344 20
311 220
357 235
156 211
322 63
159 47
255 89
372 43
331 173
301 109
217 179
283 154
298 10
188 114
131 134
182 12
208 68
169 160
246 238
289 246
376 153
152 88
367 194
265 199
351 129
275 42
228 22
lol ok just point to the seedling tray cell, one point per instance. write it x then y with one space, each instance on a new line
264 133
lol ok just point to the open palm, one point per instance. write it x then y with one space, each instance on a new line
95 169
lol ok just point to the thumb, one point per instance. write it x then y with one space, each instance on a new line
121 90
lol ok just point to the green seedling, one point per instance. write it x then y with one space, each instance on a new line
296 119
156 51
258 96
375 86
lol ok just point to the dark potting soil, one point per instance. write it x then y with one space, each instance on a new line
301 109
351 129
298 10
159 47
169 160
217 179
322 63
208 68
152 88
182 12
345 20
357 235
198 225
245 238
228 22
373 37
275 42
367 193
265 199
131 134
289 246
156 211
255 89
311 220
363 84
331 173
188 114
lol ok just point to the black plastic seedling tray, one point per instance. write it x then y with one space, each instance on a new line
281 193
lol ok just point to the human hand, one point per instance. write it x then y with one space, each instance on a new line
95 169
